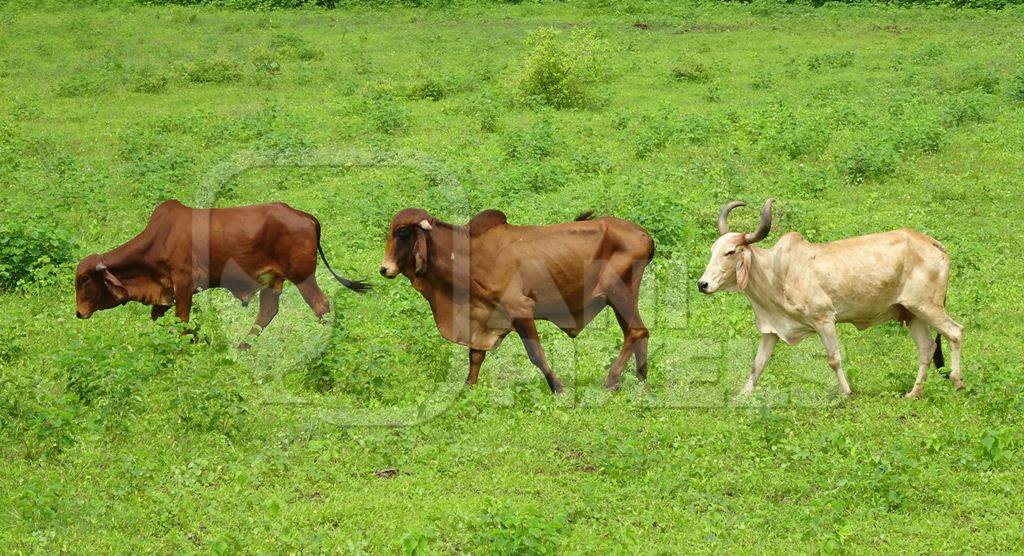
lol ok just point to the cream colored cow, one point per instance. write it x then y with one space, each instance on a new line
798 288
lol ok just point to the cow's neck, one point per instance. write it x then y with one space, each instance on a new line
130 263
766 291
447 258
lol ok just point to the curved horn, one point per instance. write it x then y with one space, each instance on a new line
100 267
723 217
766 224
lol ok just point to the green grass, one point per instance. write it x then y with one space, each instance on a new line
115 437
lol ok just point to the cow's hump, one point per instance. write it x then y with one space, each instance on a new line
485 221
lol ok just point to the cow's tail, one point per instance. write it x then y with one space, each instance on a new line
937 357
354 285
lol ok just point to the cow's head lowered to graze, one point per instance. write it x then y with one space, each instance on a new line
96 288
730 257
406 250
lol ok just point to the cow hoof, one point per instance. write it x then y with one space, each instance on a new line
244 346
913 394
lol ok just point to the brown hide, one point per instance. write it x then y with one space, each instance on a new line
183 250
482 276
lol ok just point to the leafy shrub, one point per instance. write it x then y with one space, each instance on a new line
489 114
868 161
830 60
387 115
30 251
974 78
80 86
1017 87
653 133
762 80
147 81
692 71
523 530
426 87
557 73
965 109
215 70
540 141
919 134
208 402
295 47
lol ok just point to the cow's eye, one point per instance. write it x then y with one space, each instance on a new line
403 232
730 253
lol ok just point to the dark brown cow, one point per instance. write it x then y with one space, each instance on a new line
184 250
489 278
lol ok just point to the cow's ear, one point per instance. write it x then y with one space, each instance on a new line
421 252
743 269
115 286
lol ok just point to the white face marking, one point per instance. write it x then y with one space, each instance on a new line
721 270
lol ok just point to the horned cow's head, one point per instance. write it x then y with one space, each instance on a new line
729 266
96 288
406 249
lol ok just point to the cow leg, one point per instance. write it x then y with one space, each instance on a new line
314 297
269 300
527 330
952 332
830 339
634 342
158 311
764 352
921 334
476 358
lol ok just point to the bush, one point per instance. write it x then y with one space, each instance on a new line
974 78
691 71
557 73
80 86
965 109
1017 87
426 87
868 161
295 47
30 251
919 134
830 60
536 143
147 81
217 70
387 115
519 531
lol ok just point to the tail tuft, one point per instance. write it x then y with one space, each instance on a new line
588 215
937 357
357 286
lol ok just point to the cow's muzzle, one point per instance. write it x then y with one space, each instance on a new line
702 286
388 270
82 315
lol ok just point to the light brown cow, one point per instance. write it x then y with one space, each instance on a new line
183 250
798 288
489 278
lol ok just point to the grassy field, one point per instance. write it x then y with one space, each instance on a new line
357 435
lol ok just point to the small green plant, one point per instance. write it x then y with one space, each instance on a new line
294 46
830 60
975 78
31 251
82 85
869 161
691 71
539 141
426 87
214 70
558 73
965 109
147 81
1016 91
519 531
387 115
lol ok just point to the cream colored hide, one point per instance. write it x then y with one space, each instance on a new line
799 288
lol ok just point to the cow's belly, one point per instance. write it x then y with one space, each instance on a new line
867 318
